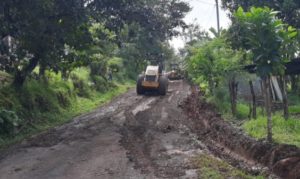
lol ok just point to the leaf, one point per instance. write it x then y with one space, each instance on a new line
274 12
293 34
258 58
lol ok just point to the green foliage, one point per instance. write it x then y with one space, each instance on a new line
284 131
242 111
61 36
9 121
101 84
41 30
44 105
81 86
211 167
213 61
294 109
220 99
98 68
289 9
259 31
115 64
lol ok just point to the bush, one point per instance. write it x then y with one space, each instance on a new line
81 87
9 121
36 96
98 68
115 64
100 84
63 99
220 99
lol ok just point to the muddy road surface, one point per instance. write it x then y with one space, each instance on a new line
131 137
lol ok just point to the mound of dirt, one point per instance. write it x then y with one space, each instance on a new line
283 160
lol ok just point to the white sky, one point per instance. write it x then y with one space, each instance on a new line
203 13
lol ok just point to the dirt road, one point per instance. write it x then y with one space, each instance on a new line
131 137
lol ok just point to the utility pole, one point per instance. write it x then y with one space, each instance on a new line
218 17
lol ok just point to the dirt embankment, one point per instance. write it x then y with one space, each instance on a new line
283 160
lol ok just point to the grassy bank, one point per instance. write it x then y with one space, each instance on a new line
211 167
40 105
284 131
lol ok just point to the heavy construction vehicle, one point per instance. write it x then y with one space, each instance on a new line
152 80
175 73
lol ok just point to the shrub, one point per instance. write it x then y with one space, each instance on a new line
98 68
81 87
63 99
101 84
220 99
36 96
9 121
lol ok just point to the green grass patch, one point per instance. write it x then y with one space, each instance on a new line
242 111
211 167
294 109
284 131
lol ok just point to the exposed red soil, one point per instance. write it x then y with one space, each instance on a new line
283 160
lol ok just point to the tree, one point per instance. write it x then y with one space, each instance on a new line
212 61
159 17
262 33
41 30
289 8
54 34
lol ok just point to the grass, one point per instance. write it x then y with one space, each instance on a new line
284 131
49 120
211 167
242 111
295 109
45 105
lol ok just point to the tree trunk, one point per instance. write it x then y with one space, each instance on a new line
266 82
250 111
233 85
21 75
263 94
284 97
253 100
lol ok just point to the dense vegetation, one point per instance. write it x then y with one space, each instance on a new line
61 58
260 36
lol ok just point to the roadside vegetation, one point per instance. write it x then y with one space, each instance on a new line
211 167
40 105
258 36
59 59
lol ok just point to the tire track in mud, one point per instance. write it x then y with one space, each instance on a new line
156 140
86 147
131 137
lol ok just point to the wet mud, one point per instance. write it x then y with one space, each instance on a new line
223 138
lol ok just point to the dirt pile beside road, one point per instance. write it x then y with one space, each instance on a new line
283 160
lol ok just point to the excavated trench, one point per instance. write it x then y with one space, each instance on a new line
223 138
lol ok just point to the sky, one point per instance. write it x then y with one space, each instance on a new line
203 13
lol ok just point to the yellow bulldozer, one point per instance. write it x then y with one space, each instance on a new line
152 79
